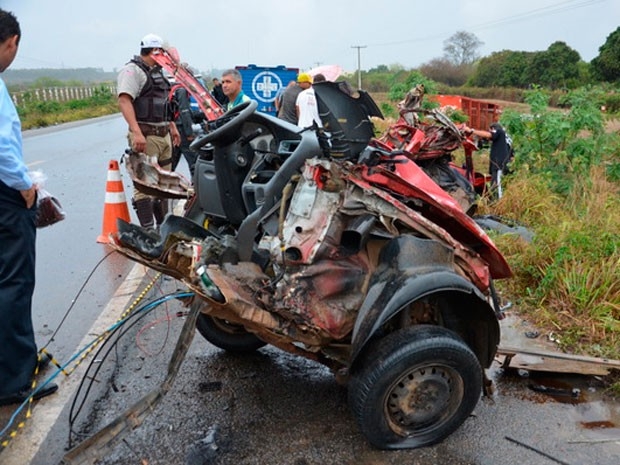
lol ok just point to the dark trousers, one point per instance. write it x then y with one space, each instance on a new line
190 155
18 350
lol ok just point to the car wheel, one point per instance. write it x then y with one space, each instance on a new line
226 335
414 387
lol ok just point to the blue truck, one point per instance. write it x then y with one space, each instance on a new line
261 83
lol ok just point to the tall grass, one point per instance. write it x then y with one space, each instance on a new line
568 279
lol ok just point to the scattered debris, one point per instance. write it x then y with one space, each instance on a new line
541 354
559 393
557 362
533 449
205 450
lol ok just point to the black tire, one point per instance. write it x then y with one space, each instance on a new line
225 335
414 387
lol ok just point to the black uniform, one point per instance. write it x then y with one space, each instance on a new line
184 119
500 153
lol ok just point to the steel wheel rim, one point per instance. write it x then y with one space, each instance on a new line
423 398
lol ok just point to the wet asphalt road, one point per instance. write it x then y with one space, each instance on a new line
270 407
264 408
71 265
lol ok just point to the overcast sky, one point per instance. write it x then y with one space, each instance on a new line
301 34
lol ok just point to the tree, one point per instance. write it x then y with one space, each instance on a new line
379 69
503 69
556 67
400 87
606 66
462 48
444 71
487 69
514 71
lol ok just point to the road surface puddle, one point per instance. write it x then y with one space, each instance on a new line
595 413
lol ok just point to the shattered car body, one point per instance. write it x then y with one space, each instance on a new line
431 144
332 245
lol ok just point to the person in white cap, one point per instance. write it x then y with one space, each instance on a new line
143 100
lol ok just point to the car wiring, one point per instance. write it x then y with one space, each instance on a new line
116 334
132 315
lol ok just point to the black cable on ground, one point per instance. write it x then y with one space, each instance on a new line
90 377
102 442
5 435
538 451
75 299
43 351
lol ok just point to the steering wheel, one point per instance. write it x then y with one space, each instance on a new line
228 123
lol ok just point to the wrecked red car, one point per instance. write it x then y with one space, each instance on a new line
339 247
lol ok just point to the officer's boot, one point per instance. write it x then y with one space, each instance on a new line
160 209
144 211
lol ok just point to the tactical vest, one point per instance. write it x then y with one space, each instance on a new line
151 106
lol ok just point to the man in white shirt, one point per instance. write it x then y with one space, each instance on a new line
306 106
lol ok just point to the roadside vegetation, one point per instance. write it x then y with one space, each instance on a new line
37 113
564 183
565 187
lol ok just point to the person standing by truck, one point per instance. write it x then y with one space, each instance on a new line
499 153
287 110
184 120
231 85
218 92
277 101
306 105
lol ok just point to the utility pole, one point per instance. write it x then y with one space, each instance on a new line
359 69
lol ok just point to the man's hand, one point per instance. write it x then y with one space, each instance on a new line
466 130
176 137
29 195
138 142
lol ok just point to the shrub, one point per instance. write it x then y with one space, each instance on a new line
565 186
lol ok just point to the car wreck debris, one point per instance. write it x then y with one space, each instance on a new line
342 248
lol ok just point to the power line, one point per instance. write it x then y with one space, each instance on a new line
544 11
538 12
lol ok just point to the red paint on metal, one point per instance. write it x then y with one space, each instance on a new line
481 113
169 60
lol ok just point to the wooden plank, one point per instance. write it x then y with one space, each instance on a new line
543 360
611 363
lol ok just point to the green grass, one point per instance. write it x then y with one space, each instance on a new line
568 279
38 114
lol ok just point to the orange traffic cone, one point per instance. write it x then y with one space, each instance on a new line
115 203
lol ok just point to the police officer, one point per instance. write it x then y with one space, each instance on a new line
143 101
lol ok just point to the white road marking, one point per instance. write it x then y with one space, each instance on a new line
26 444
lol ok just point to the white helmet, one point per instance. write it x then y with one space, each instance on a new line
151 41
